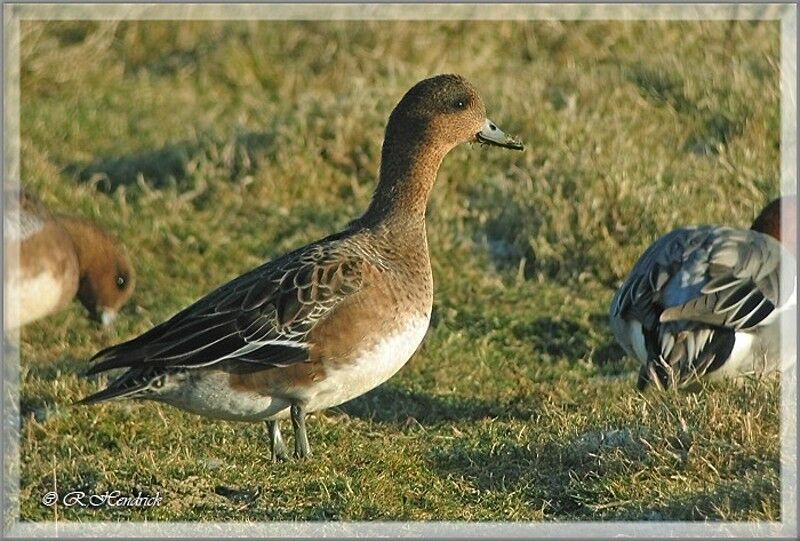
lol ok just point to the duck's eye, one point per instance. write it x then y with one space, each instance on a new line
459 103
121 281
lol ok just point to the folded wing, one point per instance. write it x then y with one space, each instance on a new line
692 290
262 318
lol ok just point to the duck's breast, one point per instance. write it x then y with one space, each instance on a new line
368 369
367 338
46 277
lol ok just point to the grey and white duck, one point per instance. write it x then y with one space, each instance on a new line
708 301
329 321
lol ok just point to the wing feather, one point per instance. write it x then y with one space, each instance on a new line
262 318
691 291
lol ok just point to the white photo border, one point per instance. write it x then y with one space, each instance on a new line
14 13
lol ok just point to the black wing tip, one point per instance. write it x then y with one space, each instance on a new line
96 369
99 358
89 400
108 359
108 393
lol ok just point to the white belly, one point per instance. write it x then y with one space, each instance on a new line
373 368
743 358
208 393
761 351
33 298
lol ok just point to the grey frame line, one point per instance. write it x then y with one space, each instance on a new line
405 11
789 326
785 13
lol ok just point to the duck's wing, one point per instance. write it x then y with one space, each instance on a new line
691 291
732 280
637 304
262 318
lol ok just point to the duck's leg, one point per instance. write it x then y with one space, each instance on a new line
276 444
301 447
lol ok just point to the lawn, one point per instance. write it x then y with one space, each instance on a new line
209 147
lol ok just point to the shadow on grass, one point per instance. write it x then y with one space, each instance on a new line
569 479
392 405
556 338
581 477
40 408
559 338
63 365
610 352
735 496
540 474
176 163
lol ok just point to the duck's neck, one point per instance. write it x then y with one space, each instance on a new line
407 174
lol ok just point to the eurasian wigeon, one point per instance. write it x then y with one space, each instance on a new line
705 301
329 321
60 257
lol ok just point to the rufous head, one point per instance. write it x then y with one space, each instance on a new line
107 277
779 219
445 110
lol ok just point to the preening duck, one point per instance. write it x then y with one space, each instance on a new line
706 301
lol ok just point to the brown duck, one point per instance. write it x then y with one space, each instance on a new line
329 321
61 257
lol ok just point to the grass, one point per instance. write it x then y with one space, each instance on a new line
209 147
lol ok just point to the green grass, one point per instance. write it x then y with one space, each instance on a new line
209 147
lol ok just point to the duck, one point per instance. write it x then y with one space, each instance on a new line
61 258
706 302
329 321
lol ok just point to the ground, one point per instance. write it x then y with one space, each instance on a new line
209 147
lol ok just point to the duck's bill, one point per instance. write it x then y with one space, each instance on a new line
107 317
490 134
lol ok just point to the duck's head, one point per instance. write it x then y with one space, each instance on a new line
769 221
436 115
444 111
106 275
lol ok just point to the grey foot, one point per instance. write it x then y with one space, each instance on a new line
301 447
